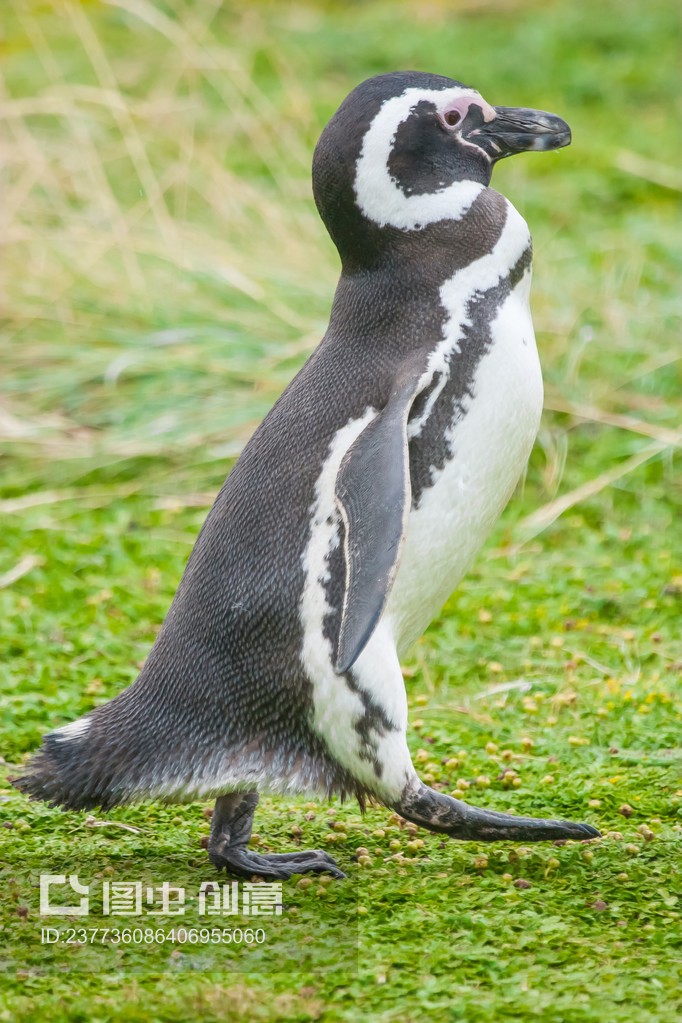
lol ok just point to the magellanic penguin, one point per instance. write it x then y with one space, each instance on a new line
357 504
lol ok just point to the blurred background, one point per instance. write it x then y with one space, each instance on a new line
166 273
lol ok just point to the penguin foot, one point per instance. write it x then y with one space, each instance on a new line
443 814
231 825
275 866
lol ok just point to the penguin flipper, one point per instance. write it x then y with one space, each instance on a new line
373 494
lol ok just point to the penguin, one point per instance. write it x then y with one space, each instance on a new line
356 506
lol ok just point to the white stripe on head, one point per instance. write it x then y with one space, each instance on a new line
376 191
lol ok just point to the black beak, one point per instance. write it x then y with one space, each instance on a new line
518 130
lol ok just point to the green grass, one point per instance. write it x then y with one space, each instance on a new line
166 275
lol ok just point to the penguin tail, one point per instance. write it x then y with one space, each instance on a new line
78 766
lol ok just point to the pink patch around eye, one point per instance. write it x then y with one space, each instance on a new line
456 112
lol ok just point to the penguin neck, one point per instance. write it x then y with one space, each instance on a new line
461 224
398 303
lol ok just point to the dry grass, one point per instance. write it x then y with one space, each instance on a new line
127 206
161 236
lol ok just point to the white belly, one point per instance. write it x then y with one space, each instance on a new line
490 446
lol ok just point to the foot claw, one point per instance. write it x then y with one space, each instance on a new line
273 866
488 826
588 831
443 814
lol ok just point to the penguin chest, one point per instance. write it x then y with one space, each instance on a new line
487 442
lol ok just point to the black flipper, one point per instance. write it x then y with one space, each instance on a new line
373 494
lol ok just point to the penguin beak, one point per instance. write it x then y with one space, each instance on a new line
518 130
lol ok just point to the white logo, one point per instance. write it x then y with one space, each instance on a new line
47 881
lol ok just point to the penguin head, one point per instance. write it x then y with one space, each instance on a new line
407 150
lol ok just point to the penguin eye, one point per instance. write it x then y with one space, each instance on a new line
452 118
